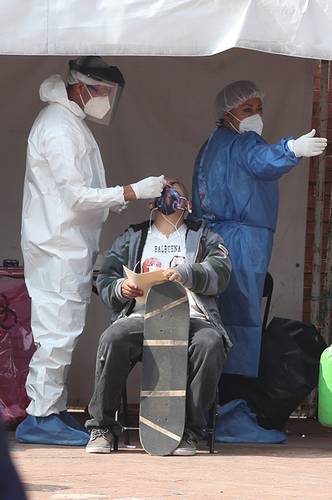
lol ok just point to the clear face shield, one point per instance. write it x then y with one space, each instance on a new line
103 102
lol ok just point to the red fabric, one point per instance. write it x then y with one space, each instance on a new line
16 349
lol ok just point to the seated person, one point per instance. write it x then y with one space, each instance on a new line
196 257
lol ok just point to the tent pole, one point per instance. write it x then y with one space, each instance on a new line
327 287
316 317
319 207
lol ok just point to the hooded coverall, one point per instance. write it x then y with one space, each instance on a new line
65 204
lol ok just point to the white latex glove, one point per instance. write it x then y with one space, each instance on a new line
150 187
307 145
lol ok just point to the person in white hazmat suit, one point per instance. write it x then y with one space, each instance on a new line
65 203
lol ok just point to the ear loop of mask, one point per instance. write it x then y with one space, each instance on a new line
88 91
188 205
236 118
231 124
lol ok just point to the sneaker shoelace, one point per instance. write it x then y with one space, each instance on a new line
96 433
188 440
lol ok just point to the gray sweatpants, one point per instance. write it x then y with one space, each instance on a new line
121 345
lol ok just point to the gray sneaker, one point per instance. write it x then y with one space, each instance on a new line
101 441
186 448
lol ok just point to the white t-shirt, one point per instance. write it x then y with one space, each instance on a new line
162 252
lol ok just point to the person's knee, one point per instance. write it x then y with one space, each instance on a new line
210 343
114 336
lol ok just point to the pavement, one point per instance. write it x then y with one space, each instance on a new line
302 469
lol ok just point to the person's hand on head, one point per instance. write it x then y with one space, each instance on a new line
129 290
150 187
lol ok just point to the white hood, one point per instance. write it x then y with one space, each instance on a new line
53 89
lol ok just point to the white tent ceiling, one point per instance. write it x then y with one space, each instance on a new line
166 27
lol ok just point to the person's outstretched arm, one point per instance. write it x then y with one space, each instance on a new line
63 154
271 161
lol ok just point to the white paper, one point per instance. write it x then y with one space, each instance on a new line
144 281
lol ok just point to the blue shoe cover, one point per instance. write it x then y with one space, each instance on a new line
71 421
236 423
49 430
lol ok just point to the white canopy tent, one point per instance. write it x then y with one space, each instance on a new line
167 108
166 27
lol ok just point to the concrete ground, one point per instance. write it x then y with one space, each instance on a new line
302 469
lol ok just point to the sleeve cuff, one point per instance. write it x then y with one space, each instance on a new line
117 290
185 271
290 144
290 147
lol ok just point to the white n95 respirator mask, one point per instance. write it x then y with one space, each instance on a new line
252 123
102 108
98 106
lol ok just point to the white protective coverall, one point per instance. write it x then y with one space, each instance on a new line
65 204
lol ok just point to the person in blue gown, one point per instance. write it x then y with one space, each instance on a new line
235 189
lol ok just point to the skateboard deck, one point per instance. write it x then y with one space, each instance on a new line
164 371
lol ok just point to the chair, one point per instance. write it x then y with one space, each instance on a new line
267 294
211 425
122 418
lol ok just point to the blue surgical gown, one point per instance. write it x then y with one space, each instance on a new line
235 189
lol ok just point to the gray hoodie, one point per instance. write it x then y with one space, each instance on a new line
205 273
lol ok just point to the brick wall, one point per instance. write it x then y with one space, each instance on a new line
312 196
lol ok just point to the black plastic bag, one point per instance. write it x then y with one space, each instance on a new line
289 369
